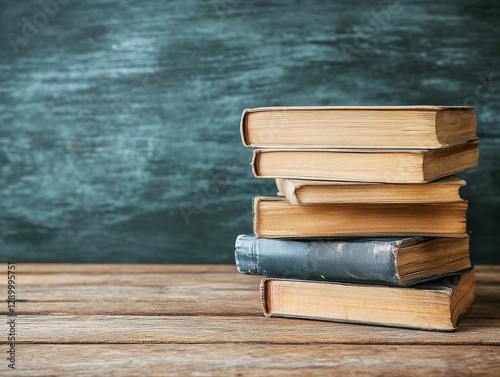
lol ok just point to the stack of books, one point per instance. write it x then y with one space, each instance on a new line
368 225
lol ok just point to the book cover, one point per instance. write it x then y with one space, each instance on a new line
365 165
403 261
411 127
435 305
304 192
275 217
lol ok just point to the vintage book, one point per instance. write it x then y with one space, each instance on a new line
422 127
315 192
369 165
433 305
276 217
396 261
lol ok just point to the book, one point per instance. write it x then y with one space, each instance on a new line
275 217
301 192
397 261
369 165
429 306
421 127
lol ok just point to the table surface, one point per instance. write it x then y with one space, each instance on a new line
87 320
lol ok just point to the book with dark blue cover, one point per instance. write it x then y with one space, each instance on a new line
402 261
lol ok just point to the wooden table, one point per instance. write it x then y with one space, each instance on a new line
144 320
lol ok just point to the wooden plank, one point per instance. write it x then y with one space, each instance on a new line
93 269
483 272
255 360
69 280
118 289
93 293
164 321
222 299
121 286
203 329
147 293
156 277
244 303
218 293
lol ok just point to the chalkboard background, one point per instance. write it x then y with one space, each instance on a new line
119 119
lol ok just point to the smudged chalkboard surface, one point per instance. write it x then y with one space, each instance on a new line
119 119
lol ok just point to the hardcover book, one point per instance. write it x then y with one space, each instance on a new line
301 192
421 127
396 261
275 217
433 305
369 165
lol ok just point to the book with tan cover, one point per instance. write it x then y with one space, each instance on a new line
275 217
406 127
368 165
430 306
303 192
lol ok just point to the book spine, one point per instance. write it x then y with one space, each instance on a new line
266 304
263 297
243 128
322 260
245 258
255 163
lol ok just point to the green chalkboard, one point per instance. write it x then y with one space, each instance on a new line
119 119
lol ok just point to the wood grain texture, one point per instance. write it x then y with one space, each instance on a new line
129 269
257 360
206 329
66 289
115 114
117 320
490 273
